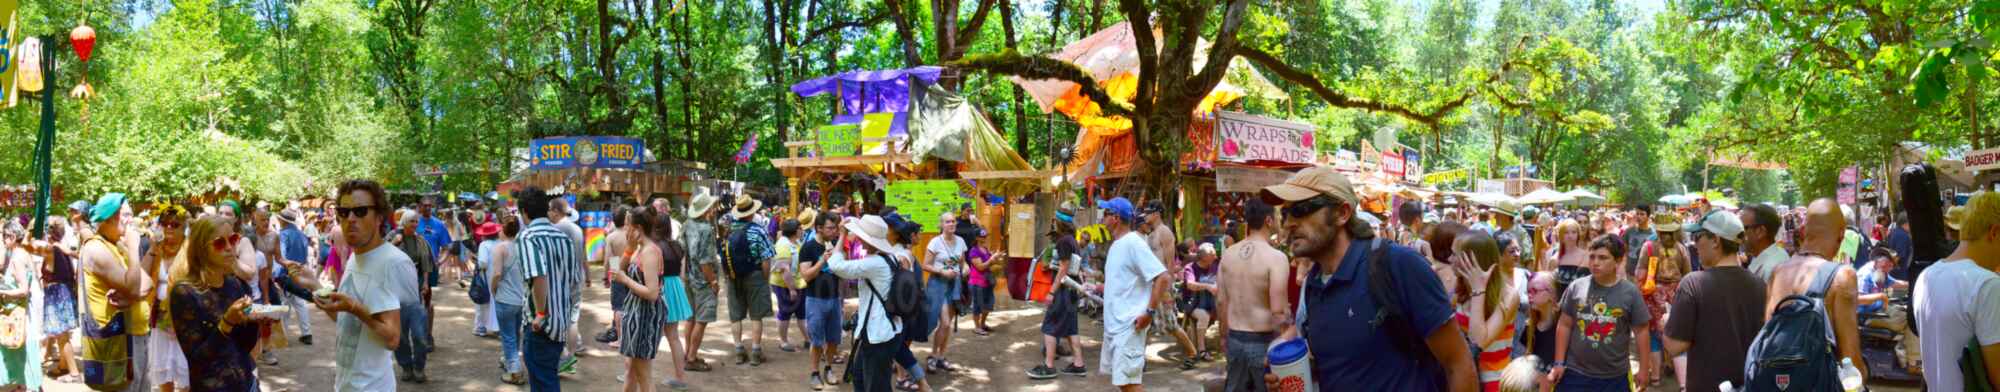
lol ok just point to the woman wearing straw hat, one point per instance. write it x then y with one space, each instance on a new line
878 332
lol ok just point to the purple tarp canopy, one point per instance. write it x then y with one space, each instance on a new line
867 91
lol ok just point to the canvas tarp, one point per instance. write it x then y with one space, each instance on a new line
946 127
871 91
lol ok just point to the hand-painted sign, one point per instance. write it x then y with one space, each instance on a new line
604 152
1445 176
1987 159
8 38
1244 138
1392 163
839 140
922 201
1247 179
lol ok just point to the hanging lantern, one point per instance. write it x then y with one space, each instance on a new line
83 38
28 71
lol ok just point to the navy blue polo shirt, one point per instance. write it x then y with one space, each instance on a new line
1350 352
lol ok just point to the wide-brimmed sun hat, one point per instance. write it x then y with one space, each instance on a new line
870 229
745 207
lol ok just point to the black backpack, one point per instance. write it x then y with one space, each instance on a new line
741 263
1795 350
906 291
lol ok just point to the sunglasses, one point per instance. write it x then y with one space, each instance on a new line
353 212
1307 207
223 243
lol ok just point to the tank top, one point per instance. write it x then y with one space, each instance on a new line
138 315
671 259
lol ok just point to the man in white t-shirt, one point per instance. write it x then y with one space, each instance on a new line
366 306
1134 280
1958 300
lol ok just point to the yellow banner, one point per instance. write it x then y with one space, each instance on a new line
9 39
1445 176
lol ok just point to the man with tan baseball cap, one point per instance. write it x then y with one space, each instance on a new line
1408 345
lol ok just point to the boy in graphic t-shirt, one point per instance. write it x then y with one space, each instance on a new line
1600 320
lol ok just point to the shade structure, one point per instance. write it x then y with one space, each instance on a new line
1546 196
1580 195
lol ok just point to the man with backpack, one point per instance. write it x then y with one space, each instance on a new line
1809 288
1357 343
749 286
1958 304
1134 283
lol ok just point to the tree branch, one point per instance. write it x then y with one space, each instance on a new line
1224 49
1037 67
970 31
1149 52
1340 99
870 21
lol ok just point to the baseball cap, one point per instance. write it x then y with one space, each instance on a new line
1119 206
80 206
1722 224
107 206
1316 180
1152 207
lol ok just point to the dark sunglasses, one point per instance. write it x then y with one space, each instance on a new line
1308 207
353 212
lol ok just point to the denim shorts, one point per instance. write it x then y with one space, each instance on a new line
823 321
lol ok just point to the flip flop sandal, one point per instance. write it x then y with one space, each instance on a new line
908 385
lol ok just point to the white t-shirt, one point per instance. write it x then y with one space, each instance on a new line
1956 301
379 281
1128 276
946 256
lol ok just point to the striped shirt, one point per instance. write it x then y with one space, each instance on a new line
546 252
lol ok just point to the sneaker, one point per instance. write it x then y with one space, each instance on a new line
607 336
1075 370
1041 373
568 366
420 377
1187 364
787 347
677 385
757 356
817 383
268 359
307 340
742 355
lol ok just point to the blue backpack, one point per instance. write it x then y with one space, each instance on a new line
1795 350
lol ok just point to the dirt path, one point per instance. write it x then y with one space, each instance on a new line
464 362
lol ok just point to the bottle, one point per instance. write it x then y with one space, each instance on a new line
1850 377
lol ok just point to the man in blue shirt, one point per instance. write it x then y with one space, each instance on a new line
1410 346
293 248
435 233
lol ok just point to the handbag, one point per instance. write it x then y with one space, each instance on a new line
13 318
479 292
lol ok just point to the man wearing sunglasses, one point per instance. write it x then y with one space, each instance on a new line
1412 347
366 307
1717 311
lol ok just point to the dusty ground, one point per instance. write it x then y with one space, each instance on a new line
464 362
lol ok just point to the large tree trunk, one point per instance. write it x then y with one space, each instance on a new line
906 32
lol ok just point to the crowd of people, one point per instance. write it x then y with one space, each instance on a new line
182 297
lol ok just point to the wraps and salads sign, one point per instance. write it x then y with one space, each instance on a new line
603 152
1247 138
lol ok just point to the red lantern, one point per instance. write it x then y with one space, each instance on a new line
83 38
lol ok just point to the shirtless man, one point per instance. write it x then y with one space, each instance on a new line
1820 236
614 258
1251 299
1160 238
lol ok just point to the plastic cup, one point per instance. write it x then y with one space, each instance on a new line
1291 362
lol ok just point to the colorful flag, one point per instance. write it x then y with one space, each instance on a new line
749 146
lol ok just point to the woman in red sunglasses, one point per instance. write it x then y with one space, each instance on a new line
209 308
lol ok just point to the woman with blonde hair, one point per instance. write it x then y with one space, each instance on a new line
20 294
209 306
167 368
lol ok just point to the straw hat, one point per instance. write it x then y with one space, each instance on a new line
870 229
1666 223
700 205
808 216
745 207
